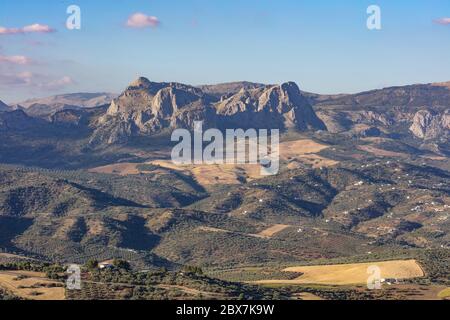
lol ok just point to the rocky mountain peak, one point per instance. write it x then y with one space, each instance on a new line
140 82
275 106
290 88
147 107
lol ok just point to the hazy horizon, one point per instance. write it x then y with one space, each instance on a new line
199 85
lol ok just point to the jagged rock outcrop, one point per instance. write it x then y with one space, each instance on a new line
431 125
146 108
280 106
226 90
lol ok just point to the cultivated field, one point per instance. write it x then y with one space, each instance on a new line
266 233
213 174
31 285
444 294
380 152
273 230
296 152
350 274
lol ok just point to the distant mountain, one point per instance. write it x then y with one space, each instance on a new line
4 107
432 94
50 105
146 108
420 110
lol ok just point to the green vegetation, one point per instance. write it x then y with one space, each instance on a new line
123 284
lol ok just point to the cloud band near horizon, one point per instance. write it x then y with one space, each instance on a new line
33 28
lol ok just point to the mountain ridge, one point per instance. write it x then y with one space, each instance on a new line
42 107
146 108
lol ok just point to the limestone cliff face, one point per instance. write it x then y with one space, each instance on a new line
146 108
431 125
280 107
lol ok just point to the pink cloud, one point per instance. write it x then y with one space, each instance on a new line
33 80
59 83
25 77
37 28
22 60
140 20
34 28
443 21
20 79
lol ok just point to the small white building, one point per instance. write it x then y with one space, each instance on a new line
108 264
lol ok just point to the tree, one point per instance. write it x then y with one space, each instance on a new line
193 269
121 264
91 264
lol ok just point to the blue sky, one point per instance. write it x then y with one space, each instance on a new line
322 45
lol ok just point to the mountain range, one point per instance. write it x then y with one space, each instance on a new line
147 108
363 177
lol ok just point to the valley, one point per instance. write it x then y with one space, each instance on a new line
364 179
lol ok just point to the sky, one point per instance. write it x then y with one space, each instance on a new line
324 46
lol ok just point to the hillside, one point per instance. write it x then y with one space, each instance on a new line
417 95
360 179
4 107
